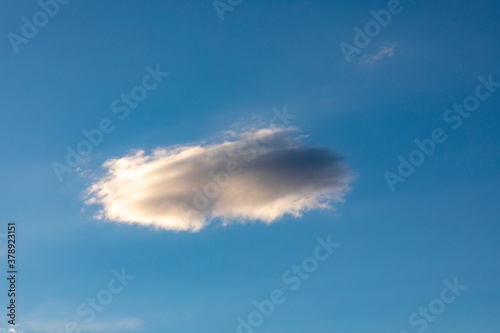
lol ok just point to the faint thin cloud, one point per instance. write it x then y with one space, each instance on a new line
112 326
383 52
124 325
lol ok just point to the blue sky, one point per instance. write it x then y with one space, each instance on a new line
397 247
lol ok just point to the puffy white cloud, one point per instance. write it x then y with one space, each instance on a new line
260 174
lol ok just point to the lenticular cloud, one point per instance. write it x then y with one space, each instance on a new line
261 175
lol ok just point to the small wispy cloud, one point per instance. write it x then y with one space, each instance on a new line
9 330
261 174
383 52
17 329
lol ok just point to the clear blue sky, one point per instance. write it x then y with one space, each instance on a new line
397 247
